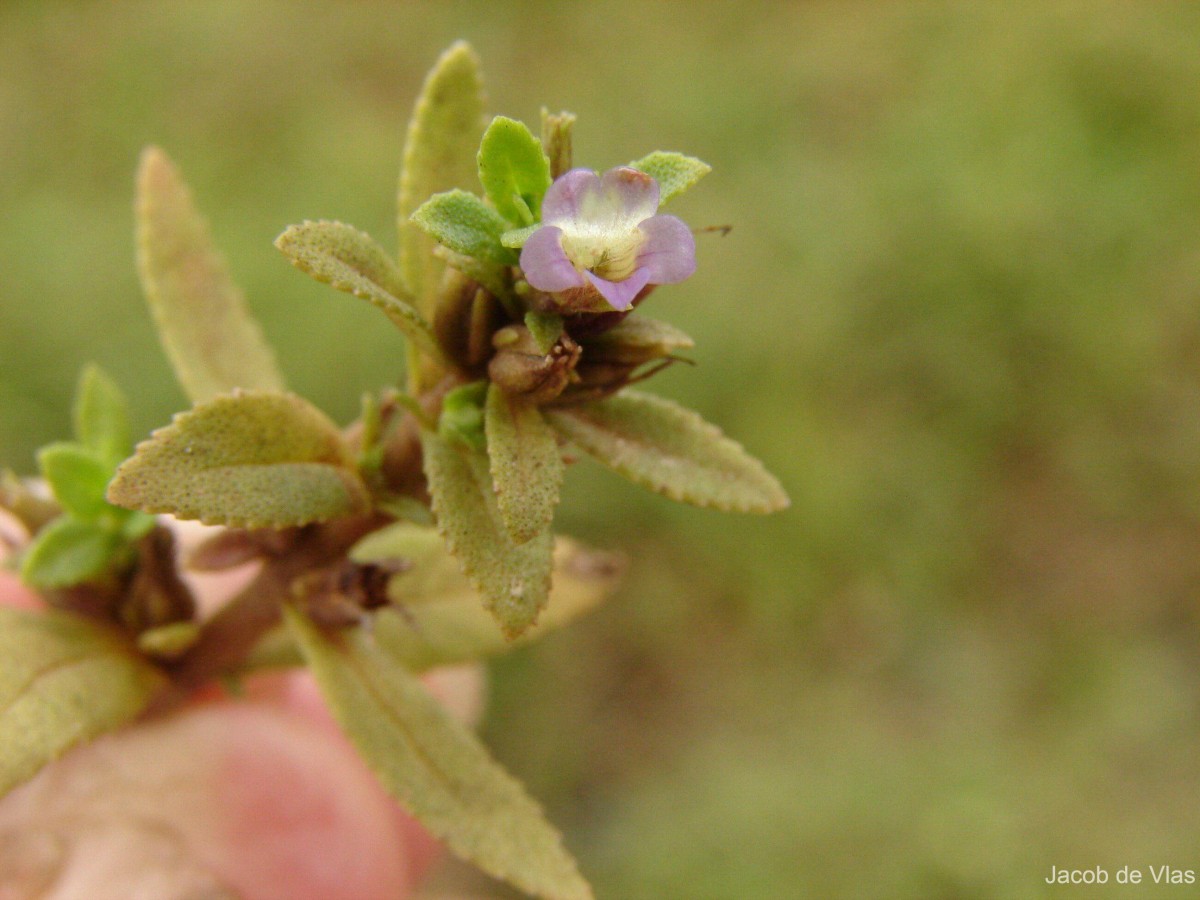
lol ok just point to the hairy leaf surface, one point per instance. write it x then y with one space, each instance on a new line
435 766
77 478
69 551
101 417
463 223
349 261
674 172
513 170
206 329
662 446
527 470
63 681
251 460
439 619
514 579
439 155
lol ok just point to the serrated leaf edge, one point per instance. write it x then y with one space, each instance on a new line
349 475
402 313
771 504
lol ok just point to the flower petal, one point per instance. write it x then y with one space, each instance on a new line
545 264
620 294
632 192
564 198
669 253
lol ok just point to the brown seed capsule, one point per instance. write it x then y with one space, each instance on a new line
519 366
344 593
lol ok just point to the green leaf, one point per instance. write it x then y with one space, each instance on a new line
526 467
674 172
439 154
441 620
69 551
209 336
662 446
514 579
135 524
435 766
250 459
101 417
513 170
77 478
408 542
546 328
349 261
515 238
169 641
63 681
463 223
636 340
462 415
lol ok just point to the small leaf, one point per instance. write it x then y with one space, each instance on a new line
404 507
349 261
674 172
169 641
513 170
401 541
556 140
101 417
69 551
545 327
513 579
666 448
77 478
636 340
441 620
436 767
515 238
135 524
462 222
63 681
275 650
209 336
527 469
250 459
462 415
439 154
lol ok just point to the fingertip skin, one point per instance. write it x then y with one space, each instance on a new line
15 595
267 804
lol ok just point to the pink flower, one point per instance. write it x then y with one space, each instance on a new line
601 243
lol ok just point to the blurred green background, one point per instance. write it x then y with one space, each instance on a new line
958 314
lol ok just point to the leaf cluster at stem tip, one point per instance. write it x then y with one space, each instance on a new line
92 538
